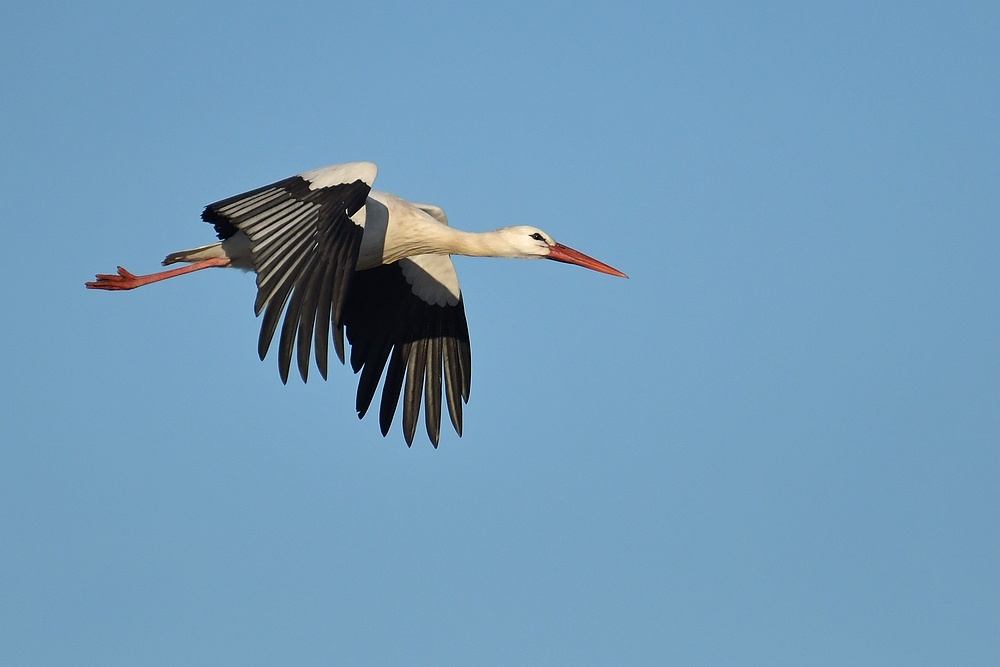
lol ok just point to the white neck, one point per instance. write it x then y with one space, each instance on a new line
436 239
472 244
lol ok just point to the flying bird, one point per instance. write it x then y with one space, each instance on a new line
331 254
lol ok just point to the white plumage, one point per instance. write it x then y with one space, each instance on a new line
330 255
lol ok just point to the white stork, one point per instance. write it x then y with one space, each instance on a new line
343 255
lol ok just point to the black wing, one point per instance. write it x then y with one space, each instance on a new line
427 341
305 248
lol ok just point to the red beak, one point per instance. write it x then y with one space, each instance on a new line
561 253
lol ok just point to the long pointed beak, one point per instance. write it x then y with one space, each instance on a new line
561 253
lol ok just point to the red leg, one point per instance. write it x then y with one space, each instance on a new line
125 280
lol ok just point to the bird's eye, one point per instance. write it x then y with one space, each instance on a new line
537 237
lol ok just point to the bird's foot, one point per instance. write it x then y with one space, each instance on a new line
125 280
121 281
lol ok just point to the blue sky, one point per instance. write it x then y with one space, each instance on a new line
776 444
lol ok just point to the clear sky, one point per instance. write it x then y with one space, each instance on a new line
776 444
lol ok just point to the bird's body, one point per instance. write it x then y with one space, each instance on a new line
331 253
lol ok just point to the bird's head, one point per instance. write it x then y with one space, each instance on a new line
526 242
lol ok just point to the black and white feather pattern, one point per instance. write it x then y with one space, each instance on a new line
305 248
305 239
427 342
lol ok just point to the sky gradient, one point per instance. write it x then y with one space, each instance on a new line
776 444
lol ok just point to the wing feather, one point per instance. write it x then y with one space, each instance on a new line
432 389
415 371
324 306
453 383
425 343
393 385
304 246
405 321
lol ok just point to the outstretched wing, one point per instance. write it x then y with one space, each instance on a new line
412 309
304 243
